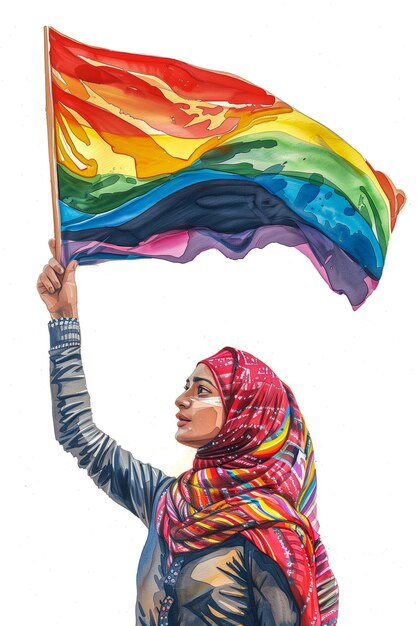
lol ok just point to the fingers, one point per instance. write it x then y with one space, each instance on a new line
68 281
72 266
57 267
49 279
70 271
52 275
44 283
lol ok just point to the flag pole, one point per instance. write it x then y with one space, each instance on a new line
52 145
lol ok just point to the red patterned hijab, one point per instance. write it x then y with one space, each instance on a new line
256 477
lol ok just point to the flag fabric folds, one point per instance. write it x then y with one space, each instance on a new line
158 158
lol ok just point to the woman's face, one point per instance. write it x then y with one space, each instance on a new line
201 414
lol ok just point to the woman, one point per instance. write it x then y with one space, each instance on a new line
234 540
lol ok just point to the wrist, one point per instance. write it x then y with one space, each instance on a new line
64 333
71 311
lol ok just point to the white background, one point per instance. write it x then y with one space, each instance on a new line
70 554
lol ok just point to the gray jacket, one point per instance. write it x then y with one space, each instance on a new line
232 584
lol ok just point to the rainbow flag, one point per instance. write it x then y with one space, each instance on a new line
158 158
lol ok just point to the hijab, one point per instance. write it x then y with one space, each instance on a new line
256 477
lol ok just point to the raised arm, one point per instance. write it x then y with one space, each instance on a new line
126 480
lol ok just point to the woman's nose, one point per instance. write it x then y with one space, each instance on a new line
182 400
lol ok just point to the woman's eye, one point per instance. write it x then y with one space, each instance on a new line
202 389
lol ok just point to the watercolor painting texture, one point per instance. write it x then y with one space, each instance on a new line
159 158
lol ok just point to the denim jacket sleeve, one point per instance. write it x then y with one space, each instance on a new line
126 480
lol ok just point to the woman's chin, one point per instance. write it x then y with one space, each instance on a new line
186 438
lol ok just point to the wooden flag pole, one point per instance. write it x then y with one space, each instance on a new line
52 146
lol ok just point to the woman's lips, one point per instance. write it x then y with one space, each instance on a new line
182 420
